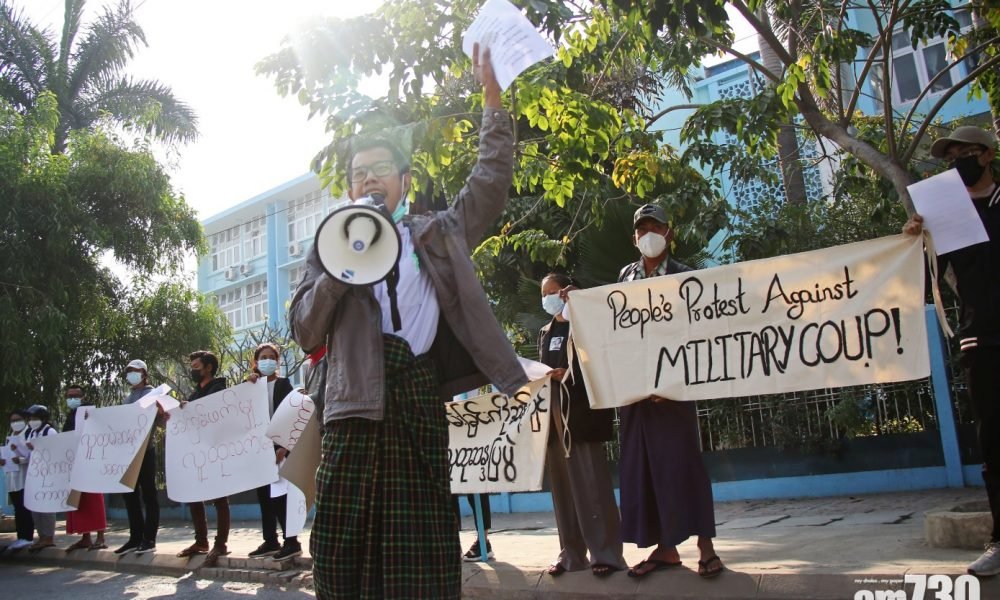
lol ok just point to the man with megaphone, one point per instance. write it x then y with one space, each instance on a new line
397 349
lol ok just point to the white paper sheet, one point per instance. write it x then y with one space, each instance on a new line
533 369
948 213
162 396
9 466
513 41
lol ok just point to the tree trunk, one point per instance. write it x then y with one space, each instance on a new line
789 158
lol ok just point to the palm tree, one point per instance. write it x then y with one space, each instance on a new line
84 69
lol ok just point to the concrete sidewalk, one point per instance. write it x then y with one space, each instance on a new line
825 548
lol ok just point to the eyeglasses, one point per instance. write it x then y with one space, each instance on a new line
381 168
965 153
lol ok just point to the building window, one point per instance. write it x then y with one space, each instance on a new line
256 302
231 304
304 216
295 275
254 238
225 248
914 68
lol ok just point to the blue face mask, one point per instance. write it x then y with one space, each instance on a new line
73 403
400 212
267 366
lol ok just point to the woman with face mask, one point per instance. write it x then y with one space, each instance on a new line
45 523
576 463
272 510
143 525
15 468
89 515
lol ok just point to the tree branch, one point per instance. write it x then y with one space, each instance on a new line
670 109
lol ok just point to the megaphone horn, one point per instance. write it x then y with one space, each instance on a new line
358 243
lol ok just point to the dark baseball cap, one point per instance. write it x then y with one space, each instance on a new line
966 134
650 211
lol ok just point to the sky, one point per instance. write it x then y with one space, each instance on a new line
251 139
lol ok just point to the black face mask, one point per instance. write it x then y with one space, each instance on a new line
196 375
968 169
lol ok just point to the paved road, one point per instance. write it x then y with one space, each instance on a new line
24 581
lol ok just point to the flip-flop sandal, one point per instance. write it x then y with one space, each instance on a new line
556 570
708 573
39 548
96 546
78 545
602 570
638 572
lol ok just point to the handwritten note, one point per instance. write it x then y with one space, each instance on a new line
112 442
513 41
216 445
290 419
948 213
47 486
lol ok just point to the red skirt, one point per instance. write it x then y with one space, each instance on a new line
89 516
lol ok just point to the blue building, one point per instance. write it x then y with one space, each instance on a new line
257 253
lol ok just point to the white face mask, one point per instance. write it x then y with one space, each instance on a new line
34 423
553 304
267 366
133 377
17 426
652 244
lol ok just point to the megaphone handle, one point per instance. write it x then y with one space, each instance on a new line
391 280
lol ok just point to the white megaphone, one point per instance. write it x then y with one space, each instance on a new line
358 244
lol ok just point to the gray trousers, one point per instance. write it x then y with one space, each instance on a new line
45 524
584 502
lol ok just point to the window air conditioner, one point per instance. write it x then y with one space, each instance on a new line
230 274
246 269
295 249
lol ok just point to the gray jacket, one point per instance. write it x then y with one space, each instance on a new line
348 319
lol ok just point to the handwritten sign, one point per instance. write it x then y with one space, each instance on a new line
296 511
513 41
47 487
290 419
112 443
497 442
216 445
847 315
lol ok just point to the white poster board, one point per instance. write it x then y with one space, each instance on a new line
216 445
112 444
290 419
847 315
46 487
497 442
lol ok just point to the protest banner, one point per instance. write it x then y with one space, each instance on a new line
112 444
47 488
296 511
497 442
847 315
300 466
290 419
216 445
7 454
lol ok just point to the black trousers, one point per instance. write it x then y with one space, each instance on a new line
143 527
272 514
487 515
982 370
23 521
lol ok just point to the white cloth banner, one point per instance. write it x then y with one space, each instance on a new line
847 315
497 442
216 445
111 442
290 418
46 487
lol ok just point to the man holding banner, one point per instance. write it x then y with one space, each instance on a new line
666 494
976 269
384 521
142 528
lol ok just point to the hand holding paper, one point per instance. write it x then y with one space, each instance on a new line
512 40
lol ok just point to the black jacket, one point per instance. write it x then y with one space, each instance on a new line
585 424
216 385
